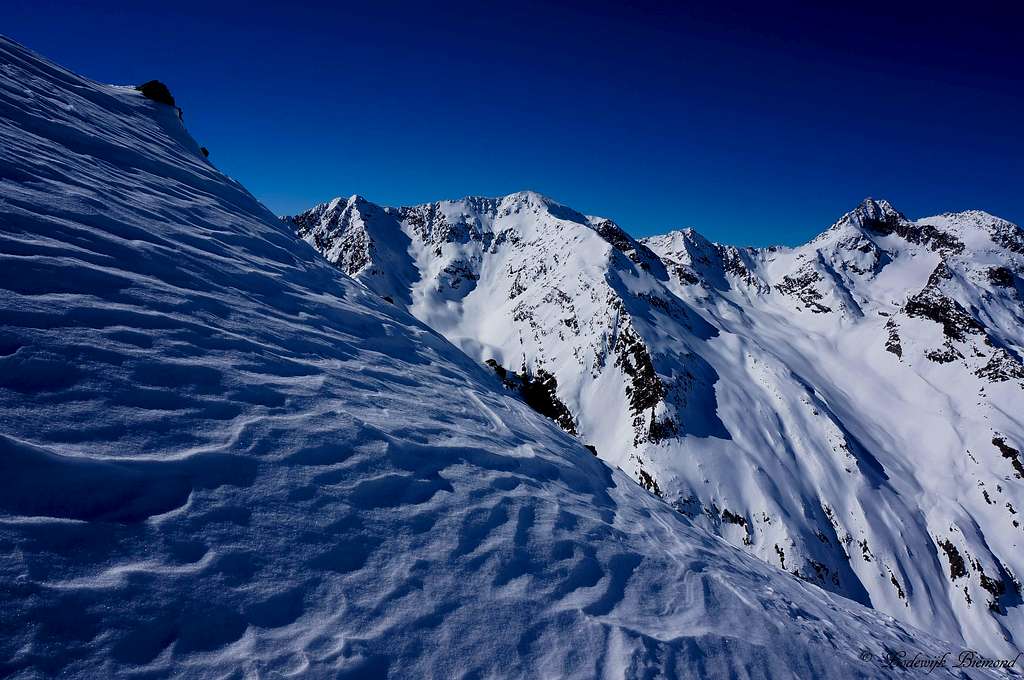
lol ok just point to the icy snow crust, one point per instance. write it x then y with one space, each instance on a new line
221 456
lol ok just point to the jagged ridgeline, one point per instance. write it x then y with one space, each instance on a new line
832 408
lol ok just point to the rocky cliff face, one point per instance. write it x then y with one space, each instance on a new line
830 408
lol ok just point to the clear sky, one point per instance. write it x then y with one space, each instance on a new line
755 124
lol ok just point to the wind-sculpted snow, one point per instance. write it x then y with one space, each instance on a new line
830 408
221 457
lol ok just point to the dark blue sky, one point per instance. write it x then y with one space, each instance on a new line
755 125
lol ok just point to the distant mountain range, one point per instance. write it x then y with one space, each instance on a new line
850 410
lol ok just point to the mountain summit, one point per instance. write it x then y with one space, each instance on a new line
845 410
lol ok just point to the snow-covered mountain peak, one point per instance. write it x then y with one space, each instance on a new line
693 259
884 226
871 210
341 203
526 197
869 217
979 231
682 246
525 215
678 240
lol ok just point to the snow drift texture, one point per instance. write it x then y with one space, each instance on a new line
849 410
219 456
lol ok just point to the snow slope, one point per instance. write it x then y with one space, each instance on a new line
849 410
221 457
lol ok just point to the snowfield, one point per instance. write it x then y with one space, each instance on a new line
222 457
